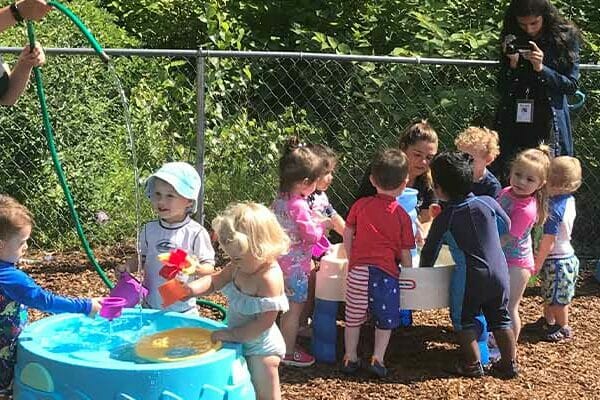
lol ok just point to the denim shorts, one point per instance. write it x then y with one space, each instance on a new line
558 278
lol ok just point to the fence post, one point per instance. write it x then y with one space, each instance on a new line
200 127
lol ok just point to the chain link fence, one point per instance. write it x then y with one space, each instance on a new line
238 109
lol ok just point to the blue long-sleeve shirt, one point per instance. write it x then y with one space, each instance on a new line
18 287
18 292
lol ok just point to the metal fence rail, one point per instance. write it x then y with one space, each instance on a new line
240 107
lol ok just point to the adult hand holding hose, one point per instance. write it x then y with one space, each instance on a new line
29 10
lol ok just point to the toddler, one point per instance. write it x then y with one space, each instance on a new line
555 260
318 200
377 237
525 202
480 281
173 191
18 291
482 145
299 169
253 283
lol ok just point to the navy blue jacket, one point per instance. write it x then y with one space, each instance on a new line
552 85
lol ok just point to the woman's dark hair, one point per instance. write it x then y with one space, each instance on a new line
297 163
419 131
558 29
452 171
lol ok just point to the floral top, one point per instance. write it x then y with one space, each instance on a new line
294 215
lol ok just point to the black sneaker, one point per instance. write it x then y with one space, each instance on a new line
502 371
474 370
350 367
377 368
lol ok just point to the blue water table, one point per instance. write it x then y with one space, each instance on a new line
141 355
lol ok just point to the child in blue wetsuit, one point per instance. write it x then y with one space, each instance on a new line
480 282
18 291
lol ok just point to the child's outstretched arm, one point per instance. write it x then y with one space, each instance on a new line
433 243
210 283
338 224
19 287
271 286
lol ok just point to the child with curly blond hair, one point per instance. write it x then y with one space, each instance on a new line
482 145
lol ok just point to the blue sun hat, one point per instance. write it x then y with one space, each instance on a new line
182 176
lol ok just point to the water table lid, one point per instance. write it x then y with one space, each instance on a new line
176 345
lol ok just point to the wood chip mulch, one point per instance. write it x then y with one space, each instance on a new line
417 356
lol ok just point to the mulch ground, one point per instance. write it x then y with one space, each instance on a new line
417 356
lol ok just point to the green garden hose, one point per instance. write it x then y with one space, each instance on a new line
56 161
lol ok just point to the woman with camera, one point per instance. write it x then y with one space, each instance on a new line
539 67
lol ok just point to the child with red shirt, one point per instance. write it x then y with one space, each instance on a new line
378 236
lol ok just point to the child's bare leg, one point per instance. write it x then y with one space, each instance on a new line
518 281
288 324
351 336
548 315
507 344
310 300
467 339
560 313
382 338
265 376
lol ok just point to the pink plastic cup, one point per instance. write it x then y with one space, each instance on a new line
129 289
112 307
321 247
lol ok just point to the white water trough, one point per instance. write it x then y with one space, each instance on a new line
420 288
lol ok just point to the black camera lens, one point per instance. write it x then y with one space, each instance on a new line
511 48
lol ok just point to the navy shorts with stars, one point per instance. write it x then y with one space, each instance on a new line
380 297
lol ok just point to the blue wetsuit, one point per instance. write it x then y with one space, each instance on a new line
17 292
480 280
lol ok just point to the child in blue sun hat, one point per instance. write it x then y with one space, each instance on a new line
173 191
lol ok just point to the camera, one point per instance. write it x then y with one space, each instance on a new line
514 45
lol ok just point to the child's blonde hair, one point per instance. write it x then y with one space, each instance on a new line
251 227
13 217
538 159
482 139
565 174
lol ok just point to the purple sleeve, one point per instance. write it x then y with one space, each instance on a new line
21 288
309 230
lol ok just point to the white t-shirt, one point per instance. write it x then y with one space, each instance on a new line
158 237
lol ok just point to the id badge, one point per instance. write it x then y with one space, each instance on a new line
524 111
